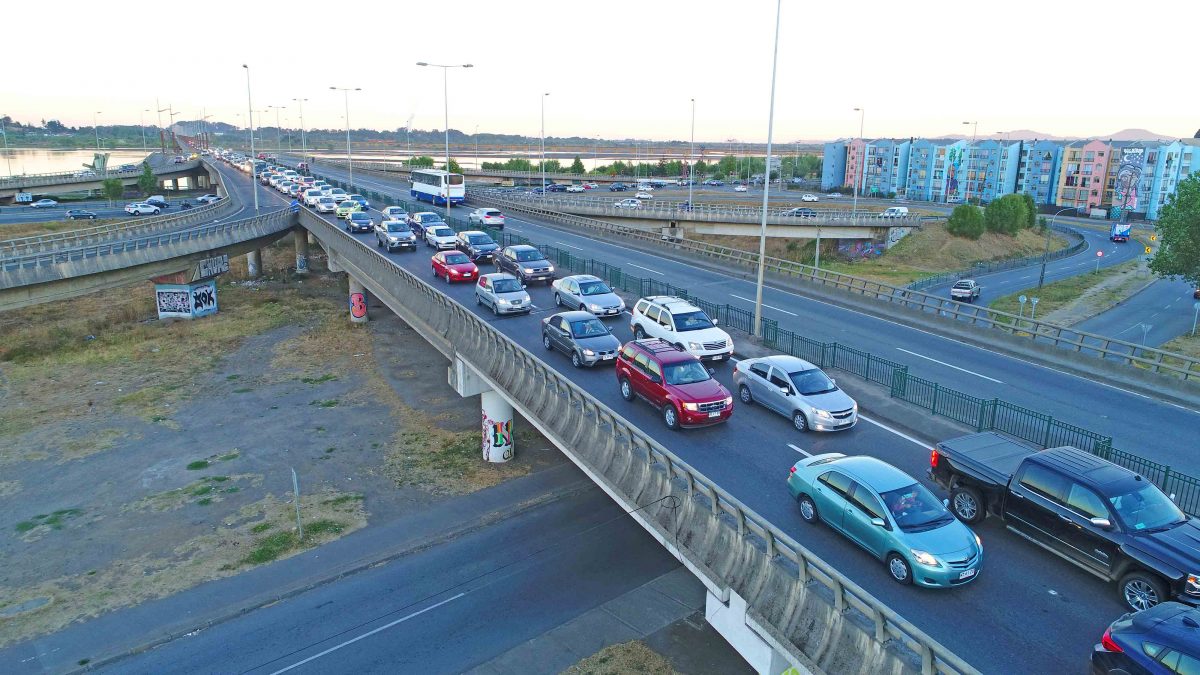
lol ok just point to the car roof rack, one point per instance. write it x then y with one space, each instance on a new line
656 345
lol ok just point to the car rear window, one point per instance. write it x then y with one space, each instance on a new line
457 258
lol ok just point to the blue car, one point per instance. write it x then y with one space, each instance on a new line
891 515
1162 639
362 201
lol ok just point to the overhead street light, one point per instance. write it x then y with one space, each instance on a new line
346 99
692 152
278 128
96 127
446 101
250 127
303 131
762 235
542 100
1046 253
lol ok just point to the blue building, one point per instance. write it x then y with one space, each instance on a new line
991 169
1037 173
922 160
886 171
1166 165
833 165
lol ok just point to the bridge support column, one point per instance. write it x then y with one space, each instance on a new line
300 238
358 301
498 444
254 264
733 623
312 241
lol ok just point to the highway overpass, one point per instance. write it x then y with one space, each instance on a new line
79 181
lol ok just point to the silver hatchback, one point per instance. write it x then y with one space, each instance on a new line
504 293
589 294
795 389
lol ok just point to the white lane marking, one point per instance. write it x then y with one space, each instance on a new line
969 372
645 268
806 454
764 305
901 434
367 634
577 248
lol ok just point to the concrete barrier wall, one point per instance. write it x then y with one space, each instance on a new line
806 609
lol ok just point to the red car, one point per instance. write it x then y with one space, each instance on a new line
454 266
674 382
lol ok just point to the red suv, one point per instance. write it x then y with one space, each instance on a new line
673 381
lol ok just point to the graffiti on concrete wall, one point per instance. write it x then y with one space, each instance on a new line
1129 175
858 249
204 298
497 438
895 234
174 303
358 305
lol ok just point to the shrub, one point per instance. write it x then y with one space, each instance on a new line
1006 215
965 221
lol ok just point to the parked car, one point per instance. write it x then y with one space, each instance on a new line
325 205
575 188
526 263
423 220
359 221
393 213
965 290
1162 639
487 217
581 336
806 197
80 214
587 293
797 390
1103 518
673 382
43 204
891 515
801 212
395 234
477 245
454 266
627 204
347 207
504 293
440 237
142 209
643 195
740 188
680 323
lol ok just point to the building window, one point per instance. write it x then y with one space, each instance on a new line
1089 156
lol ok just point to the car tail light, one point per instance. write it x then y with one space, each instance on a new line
1107 642
793 469
933 458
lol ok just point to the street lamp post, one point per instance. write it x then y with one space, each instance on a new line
278 128
446 99
346 97
692 152
250 128
970 151
543 102
7 154
96 127
862 116
476 134
1046 252
162 140
303 131
204 126
762 235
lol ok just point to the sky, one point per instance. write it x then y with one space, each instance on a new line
619 69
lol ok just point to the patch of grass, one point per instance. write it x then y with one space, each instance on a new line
232 377
26 525
327 403
261 527
216 479
329 450
627 657
230 490
198 465
343 499
318 380
204 502
1056 294
229 455
53 520
242 390
271 547
83 662
323 526
202 490
159 418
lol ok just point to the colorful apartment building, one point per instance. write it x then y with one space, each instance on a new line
833 165
1037 173
922 159
854 163
1082 179
991 169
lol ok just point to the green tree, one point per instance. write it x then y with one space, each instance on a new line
422 161
113 189
966 221
1178 253
454 167
576 166
1006 215
147 182
1031 211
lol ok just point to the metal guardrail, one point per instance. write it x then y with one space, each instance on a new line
573 413
989 266
31 181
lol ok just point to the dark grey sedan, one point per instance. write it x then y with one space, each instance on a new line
582 336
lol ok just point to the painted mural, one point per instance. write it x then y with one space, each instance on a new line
1129 176
954 158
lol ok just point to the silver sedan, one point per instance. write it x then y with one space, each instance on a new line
504 293
797 390
587 293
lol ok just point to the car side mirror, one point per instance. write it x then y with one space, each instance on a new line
714 322
878 522
1172 496
1102 523
655 379
833 381
785 391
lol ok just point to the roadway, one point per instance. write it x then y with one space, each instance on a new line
1022 592
1166 306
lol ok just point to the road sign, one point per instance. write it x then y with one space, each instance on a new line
1147 249
1022 299
1154 237
1099 254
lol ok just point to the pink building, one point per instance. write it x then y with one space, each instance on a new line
855 152
1083 177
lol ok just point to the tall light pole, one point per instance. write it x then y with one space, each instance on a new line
970 149
476 134
250 119
204 126
543 102
162 141
692 152
142 124
762 235
96 127
446 98
1046 253
862 116
346 98
7 154
278 128
303 131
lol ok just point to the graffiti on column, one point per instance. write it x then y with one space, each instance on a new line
358 305
953 159
497 436
301 262
173 302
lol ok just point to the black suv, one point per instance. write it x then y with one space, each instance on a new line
1101 517
526 263
476 244
617 187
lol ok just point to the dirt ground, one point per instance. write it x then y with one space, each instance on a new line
622 659
139 458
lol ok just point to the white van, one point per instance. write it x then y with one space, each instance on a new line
895 212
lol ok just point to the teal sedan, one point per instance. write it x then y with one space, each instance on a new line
891 515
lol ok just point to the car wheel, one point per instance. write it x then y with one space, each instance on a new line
447 277
496 309
745 395
156 212
378 244
638 333
435 273
671 416
808 510
899 569
575 360
557 300
967 505
626 389
478 300
800 421
1140 590
546 342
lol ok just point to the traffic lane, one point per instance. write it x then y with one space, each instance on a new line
1166 306
1138 427
749 456
518 577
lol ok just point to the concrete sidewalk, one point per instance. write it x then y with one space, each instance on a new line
110 636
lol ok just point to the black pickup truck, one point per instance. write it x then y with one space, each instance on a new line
1105 519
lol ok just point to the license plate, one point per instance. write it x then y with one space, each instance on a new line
714 414
609 357
966 574
718 357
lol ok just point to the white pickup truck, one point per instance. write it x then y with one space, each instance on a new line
965 290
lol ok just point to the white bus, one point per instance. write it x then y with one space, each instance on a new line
438 187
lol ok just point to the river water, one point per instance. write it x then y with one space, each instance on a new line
19 161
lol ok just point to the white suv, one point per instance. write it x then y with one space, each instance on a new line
682 324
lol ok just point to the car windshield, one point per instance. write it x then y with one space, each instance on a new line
457 258
594 288
478 239
491 214
812 382
1146 509
914 508
326 200
685 373
397 227
506 286
696 320
441 232
588 328
529 255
